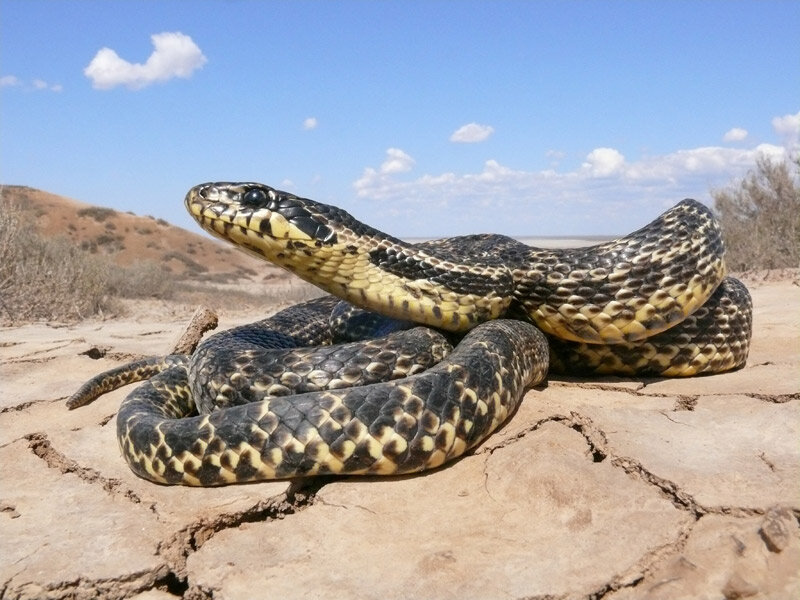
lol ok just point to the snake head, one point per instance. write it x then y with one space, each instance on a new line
259 212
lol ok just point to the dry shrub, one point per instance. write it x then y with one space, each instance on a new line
55 279
46 278
98 213
760 217
193 268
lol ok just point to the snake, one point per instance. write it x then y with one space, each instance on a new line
468 325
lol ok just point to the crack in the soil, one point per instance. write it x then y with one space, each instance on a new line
599 448
171 574
766 461
647 564
679 498
665 414
682 500
31 361
594 436
176 550
608 386
25 405
117 336
28 356
104 421
774 398
669 489
686 402
41 446
490 449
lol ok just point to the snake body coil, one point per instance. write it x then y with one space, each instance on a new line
656 302
416 423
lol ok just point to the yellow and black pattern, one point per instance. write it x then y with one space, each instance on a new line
713 339
236 367
132 372
656 302
416 423
327 247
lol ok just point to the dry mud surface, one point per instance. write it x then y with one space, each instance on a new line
612 489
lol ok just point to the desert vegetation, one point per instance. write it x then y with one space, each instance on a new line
98 213
760 217
53 278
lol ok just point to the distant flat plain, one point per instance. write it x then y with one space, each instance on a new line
542 241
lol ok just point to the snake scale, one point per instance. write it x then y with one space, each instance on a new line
247 406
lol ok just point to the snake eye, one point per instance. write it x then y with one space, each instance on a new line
255 198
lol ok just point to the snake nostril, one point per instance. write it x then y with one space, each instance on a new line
255 198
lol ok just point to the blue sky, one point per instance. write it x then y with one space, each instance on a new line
420 118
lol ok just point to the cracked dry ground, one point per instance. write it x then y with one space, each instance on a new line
614 489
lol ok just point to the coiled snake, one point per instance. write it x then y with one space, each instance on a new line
656 302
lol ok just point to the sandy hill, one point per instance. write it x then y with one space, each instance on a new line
129 238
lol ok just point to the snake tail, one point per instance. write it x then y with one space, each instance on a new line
123 375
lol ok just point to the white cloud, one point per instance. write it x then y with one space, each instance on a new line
688 171
605 193
397 161
737 134
379 179
36 84
310 123
603 162
174 55
471 133
788 127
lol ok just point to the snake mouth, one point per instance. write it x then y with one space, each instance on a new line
247 212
